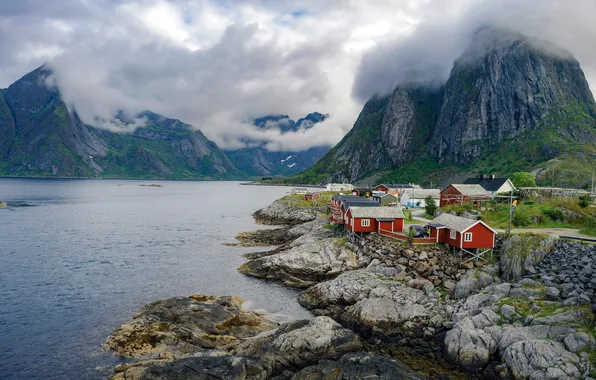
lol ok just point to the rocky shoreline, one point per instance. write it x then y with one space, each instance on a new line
382 309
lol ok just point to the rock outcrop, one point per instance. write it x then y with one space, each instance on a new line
185 325
539 328
208 337
313 257
521 253
283 211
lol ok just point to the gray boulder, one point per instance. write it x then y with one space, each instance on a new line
543 359
472 282
523 251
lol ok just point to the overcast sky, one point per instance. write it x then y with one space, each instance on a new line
217 63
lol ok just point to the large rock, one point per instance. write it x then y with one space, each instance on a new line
284 211
543 359
355 367
187 324
468 345
310 259
521 252
472 282
207 365
373 303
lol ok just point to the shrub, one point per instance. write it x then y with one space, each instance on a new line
431 205
553 213
521 218
523 179
584 202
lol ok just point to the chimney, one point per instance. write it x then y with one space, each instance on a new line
492 176
481 176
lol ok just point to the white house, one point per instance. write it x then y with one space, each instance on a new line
339 187
416 197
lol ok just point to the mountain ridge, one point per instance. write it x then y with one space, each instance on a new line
508 105
259 161
41 137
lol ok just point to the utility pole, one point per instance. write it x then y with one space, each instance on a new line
510 213
592 192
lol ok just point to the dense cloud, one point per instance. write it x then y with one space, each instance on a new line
427 55
217 64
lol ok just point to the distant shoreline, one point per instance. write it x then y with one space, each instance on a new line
258 183
125 179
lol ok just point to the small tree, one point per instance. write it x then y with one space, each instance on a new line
431 205
523 179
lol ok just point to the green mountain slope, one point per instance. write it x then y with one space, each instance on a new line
39 136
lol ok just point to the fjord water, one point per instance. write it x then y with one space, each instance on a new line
80 257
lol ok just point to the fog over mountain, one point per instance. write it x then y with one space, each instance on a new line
217 64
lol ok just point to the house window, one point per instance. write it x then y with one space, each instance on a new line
468 237
365 223
452 234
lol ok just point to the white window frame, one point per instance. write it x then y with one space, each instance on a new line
365 223
452 234
466 235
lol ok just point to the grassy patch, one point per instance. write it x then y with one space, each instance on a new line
341 242
297 200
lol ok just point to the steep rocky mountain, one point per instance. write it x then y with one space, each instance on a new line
258 161
39 136
511 103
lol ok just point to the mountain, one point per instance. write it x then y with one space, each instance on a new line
40 136
258 161
511 103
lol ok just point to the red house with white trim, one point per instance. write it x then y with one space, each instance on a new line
374 219
462 233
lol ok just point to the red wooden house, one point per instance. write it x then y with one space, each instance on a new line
362 192
395 189
471 236
339 205
374 219
457 193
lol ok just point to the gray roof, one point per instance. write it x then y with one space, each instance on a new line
456 223
377 212
396 185
423 193
471 190
359 203
383 195
489 184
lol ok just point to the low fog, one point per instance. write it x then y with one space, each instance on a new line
218 64
427 55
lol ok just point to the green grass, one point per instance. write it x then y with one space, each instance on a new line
549 213
297 200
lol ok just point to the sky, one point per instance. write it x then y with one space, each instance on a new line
218 64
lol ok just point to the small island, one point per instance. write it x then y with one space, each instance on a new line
151 185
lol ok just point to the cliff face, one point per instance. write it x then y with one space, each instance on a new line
390 131
511 103
501 87
39 136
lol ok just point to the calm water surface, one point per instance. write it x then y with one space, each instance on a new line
79 257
